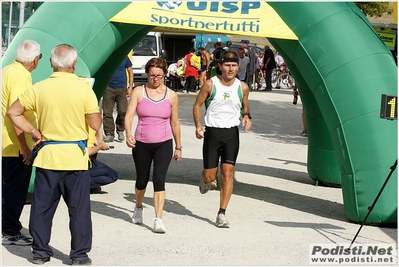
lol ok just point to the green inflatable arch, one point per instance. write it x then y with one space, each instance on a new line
340 65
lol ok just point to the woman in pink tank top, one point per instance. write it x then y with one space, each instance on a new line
152 142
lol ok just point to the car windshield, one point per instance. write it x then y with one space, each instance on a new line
146 47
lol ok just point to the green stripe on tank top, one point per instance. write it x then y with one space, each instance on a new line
211 97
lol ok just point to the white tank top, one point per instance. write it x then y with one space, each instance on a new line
223 107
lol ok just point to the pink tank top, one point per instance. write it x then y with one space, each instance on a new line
154 124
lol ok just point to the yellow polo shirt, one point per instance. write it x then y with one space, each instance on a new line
61 103
92 138
15 79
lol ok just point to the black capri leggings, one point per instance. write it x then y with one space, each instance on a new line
143 155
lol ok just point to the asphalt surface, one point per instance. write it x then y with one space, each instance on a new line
276 212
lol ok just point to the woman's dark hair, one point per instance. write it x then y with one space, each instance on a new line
156 63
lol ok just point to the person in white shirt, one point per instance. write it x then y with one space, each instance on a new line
173 77
227 106
279 60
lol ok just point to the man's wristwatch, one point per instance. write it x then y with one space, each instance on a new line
248 114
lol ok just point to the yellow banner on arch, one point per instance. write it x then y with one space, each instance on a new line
243 18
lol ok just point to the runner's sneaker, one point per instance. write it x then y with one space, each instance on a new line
204 187
221 221
159 227
137 217
18 240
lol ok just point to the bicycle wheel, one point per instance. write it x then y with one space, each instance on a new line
261 80
275 79
284 81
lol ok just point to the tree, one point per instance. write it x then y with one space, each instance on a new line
376 9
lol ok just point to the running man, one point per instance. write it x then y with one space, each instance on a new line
226 101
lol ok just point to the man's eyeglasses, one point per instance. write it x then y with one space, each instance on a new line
40 56
156 76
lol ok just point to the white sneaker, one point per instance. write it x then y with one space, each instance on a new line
185 91
221 221
159 227
137 217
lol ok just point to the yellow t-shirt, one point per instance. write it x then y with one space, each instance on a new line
15 79
92 137
61 103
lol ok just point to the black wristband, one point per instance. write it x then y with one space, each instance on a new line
248 114
178 148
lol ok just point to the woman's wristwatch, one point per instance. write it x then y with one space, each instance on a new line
178 148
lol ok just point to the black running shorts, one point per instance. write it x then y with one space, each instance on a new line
220 143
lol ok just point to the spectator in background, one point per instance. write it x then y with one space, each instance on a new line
243 71
116 93
279 61
190 74
16 146
215 56
228 46
259 66
304 131
172 75
270 64
296 94
205 62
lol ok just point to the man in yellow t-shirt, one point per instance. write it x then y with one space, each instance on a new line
16 146
65 107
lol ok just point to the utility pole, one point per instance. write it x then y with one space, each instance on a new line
21 14
9 26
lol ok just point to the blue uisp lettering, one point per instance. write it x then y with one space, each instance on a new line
226 7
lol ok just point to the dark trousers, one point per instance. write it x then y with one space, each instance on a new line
269 79
110 97
175 83
74 187
101 174
15 176
190 84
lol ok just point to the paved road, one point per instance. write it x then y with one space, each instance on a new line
276 211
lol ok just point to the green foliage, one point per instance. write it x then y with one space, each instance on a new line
374 9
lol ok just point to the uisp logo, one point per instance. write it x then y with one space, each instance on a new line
170 5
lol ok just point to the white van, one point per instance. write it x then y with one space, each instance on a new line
150 46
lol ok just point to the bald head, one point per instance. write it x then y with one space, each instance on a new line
63 58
